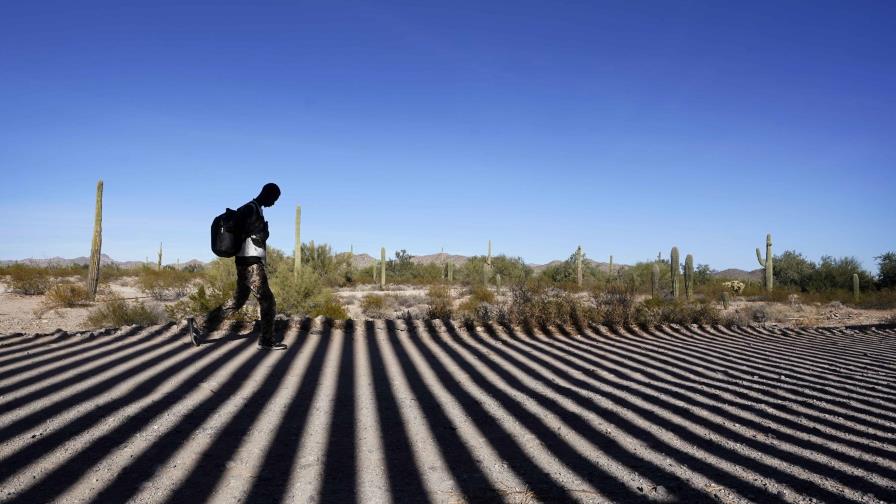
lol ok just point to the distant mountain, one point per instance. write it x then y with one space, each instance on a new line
105 260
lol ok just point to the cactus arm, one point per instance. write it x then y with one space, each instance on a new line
759 258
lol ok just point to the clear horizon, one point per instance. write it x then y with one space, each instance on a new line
623 128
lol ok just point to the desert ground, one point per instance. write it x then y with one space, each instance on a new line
415 411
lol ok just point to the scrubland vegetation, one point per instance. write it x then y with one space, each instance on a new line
483 289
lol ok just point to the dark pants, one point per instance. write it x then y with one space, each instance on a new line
250 278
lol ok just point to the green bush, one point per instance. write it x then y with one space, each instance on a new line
165 284
328 305
886 276
29 280
218 285
441 304
512 270
117 312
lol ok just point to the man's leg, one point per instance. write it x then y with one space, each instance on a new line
258 282
213 319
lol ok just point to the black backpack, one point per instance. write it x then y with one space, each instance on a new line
226 234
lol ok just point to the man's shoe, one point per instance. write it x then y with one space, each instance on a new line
271 346
195 331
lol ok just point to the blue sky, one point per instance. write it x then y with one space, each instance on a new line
626 127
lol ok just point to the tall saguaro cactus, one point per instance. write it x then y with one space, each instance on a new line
655 281
579 266
93 273
689 276
159 263
855 287
383 267
676 271
297 255
487 269
767 264
610 269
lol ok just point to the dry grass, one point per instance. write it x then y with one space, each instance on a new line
117 312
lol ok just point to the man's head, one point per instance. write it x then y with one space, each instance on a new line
268 195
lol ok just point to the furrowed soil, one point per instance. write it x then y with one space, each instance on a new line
396 411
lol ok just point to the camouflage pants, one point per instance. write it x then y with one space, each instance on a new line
250 278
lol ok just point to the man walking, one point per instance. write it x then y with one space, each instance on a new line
250 273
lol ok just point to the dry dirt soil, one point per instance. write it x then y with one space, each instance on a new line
394 411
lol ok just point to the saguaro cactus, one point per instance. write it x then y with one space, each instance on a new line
297 255
93 273
579 265
655 281
676 271
610 269
382 267
487 269
689 276
855 287
159 263
767 264
450 272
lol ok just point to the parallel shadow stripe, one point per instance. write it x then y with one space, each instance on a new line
101 365
211 464
463 466
619 392
279 461
405 481
57 481
129 479
63 404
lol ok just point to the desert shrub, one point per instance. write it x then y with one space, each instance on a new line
219 282
29 280
441 304
296 295
478 305
655 312
327 305
886 273
334 270
111 272
165 284
117 312
512 270
792 269
877 300
376 306
614 305
66 295
533 303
